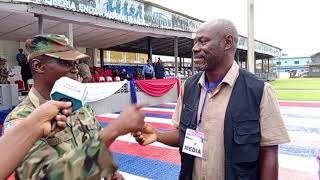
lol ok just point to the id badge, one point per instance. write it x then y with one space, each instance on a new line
193 143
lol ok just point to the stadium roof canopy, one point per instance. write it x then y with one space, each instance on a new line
123 25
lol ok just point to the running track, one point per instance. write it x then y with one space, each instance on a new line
157 161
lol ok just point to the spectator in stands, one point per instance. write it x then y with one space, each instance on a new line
17 141
148 71
159 69
84 71
124 75
116 74
81 150
137 74
3 71
25 68
95 74
21 57
108 72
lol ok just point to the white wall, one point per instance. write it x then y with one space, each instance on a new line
9 50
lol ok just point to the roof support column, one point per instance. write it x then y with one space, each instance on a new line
184 66
176 56
70 34
108 56
94 56
101 58
183 62
92 53
40 23
150 48
251 61
180 64
254 65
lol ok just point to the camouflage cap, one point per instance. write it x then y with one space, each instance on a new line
53 45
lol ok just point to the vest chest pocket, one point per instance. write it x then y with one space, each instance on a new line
185 121
246 148
186 115
246 136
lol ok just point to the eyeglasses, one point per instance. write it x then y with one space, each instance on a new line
67 63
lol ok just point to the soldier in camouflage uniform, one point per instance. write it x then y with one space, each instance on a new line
17 141
80 151
3 71
84 71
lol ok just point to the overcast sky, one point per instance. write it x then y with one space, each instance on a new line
292 25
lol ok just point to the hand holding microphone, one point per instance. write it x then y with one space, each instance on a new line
19 139
43 115
66 89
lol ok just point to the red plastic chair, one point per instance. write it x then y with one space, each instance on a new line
96 77
21 86
102 79
109 79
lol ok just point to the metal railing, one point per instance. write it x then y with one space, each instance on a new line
267 76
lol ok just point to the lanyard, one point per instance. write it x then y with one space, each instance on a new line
209 88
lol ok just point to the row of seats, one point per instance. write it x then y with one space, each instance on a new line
100 78
107 75
114 71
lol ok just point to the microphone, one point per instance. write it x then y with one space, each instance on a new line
66 89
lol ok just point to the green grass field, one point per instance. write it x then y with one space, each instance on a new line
297 83
299 89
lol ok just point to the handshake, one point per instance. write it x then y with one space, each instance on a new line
131 120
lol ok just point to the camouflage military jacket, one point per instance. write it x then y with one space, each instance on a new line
3 75
74 153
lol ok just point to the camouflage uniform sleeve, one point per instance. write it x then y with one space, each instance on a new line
4 71
94 118
90 161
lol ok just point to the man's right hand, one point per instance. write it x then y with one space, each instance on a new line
44 114
130 120
147 135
